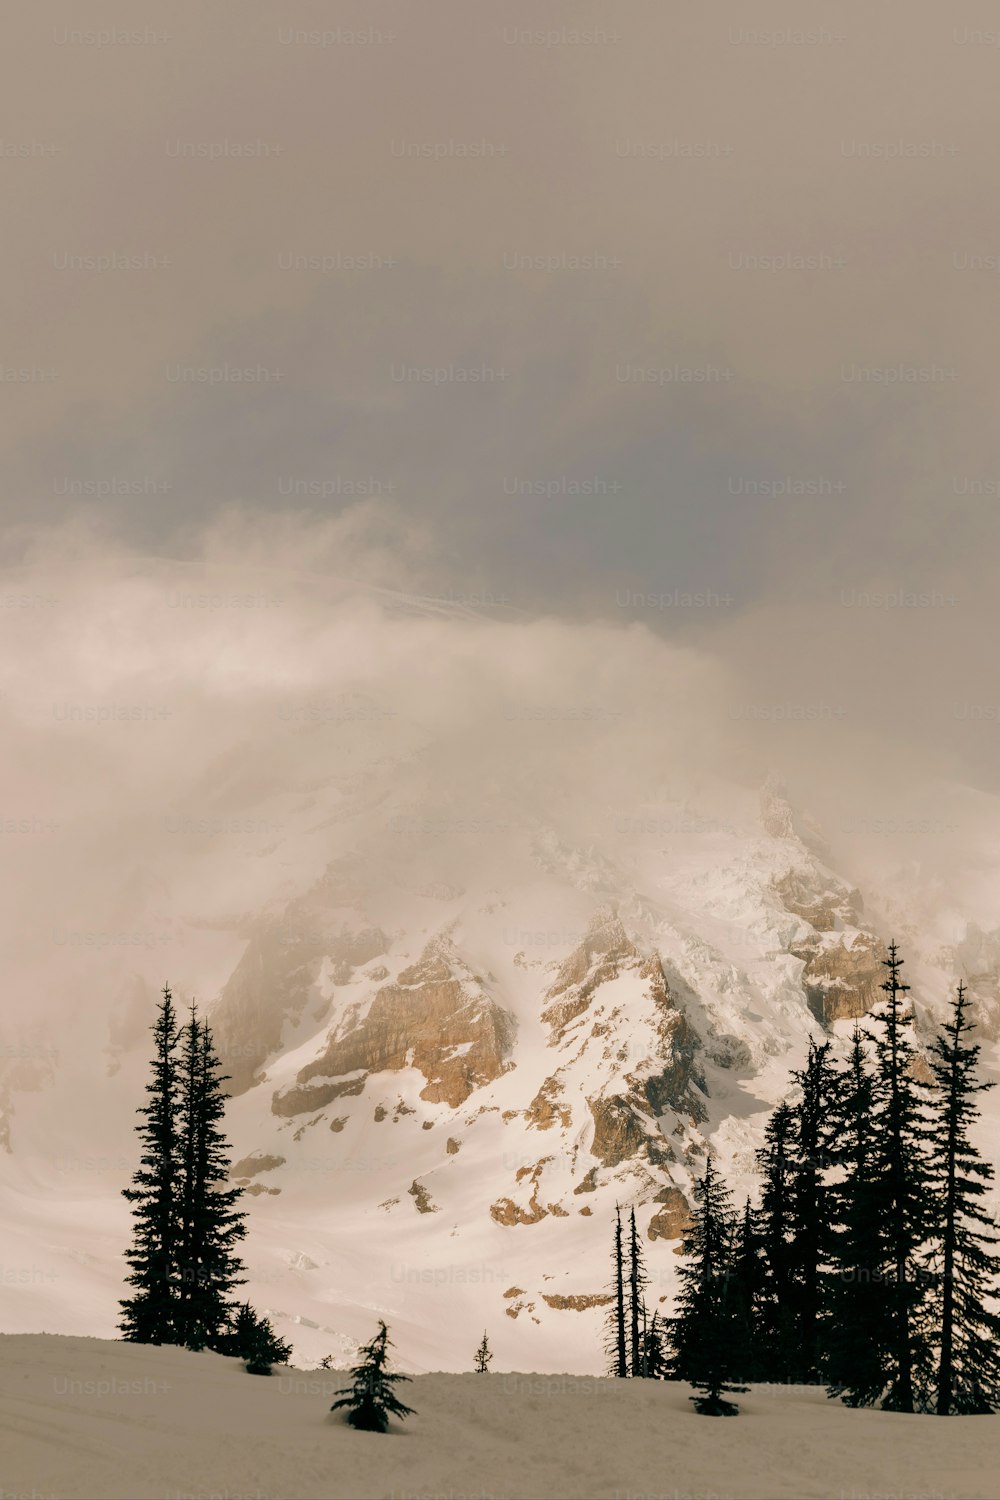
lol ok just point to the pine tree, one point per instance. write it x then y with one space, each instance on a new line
780 1354
747 1283
615 1345
703 1332
371 1399
810 1209
188 1188
857 1327
251 1338
211 1223
654 1353
150 1315
637 1282
483 1356
902 1182
968 1368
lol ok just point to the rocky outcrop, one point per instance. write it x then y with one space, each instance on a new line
674 1080
602 955
437 1017
545 1110
507 1211
516 1304
840 979
825 903
671 1220
665 1079
250 1166
302 1100
275 979
576 1301
620 1133
421 1198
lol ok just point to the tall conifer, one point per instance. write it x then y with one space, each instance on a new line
901 1179
857 1327
968 1365
703 1333
149 1316
637 1281
616 1345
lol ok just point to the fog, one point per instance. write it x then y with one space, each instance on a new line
603 394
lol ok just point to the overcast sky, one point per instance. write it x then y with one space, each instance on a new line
674 313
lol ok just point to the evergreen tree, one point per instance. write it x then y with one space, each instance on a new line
251 1338
810 1207
779 1341
483 1356
637 1281
615 1345
210 1221
747 1283
371 1399
857 1326
654 1353
903 1186
968 1368
702 1335
149 1316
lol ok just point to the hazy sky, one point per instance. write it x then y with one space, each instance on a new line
660 320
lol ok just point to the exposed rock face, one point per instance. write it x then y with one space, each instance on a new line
824 903
544 1111
519 1305
841 979
842 959
303 1100
452 1146
602 955
672 1220
663 1077
421 1198
272 984
576 1302
620 1134
506 1211
249 1166
678 1085
437 1017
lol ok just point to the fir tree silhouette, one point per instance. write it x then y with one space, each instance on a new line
702 1335
149 1316
810 1218
211 1223
779 1341
484 1355
857 1329
371 1399
746 1289
968 1368
637 1281
251 1338
616 1346
902 1182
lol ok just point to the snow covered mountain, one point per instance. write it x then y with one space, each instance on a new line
457 1047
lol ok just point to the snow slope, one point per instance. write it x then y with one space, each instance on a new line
88 1420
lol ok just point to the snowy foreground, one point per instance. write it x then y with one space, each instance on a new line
86 1418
